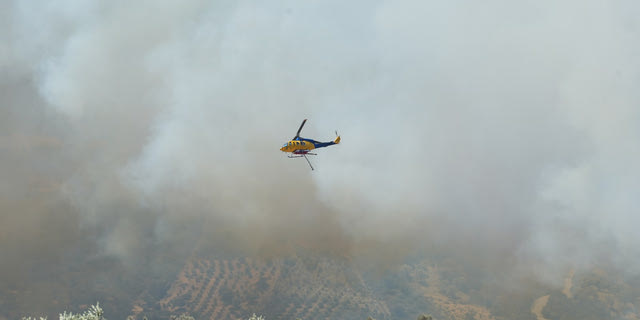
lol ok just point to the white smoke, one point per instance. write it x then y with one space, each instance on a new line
511 127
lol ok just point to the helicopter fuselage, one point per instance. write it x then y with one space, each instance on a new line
303 145
300 147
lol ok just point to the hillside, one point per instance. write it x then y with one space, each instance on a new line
306 287
296 287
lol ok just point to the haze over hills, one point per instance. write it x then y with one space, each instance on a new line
488 168
310 286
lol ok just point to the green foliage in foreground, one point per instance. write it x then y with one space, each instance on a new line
183 316
254 317
96 313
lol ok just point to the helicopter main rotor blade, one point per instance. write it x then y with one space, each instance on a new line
299 129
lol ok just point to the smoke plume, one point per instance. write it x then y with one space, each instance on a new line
506 133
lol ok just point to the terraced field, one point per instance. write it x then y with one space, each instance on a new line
304 286
280 289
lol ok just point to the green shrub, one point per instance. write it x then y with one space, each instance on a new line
94 313
183 316
254 317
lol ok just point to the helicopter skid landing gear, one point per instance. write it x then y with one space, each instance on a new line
301 155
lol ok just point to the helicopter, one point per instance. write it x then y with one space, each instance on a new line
300 147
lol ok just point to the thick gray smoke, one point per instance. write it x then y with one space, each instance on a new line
507 131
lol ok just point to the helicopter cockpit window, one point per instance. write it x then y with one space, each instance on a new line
284 145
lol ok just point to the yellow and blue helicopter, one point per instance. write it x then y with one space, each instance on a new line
300 147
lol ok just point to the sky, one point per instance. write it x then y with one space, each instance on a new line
502 131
